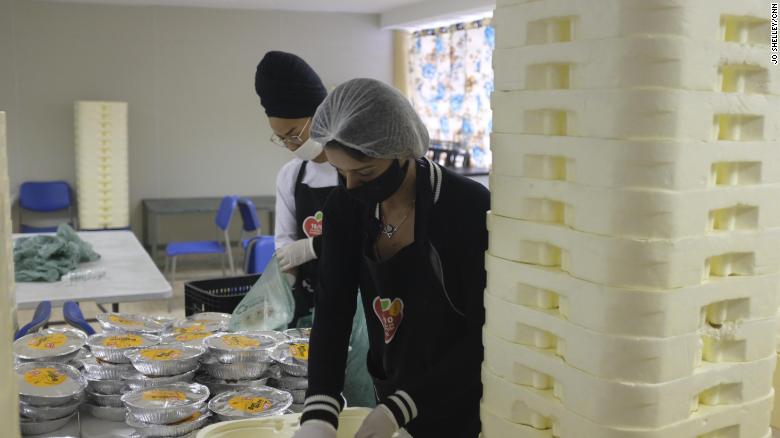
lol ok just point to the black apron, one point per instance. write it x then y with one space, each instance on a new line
309 203
411 309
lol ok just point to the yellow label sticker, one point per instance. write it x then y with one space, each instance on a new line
48 342
163 395
194 328
116 319
189 419
161 353
239 341
299 351
186 337
250 405
123 341
45 377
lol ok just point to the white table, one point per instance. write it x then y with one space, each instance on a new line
130 275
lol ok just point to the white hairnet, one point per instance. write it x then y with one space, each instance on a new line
373 118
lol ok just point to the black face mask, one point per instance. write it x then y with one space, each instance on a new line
381 187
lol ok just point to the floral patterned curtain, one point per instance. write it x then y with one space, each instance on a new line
451 78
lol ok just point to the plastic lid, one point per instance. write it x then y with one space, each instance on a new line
49 379
202 322
298 333
189 338
293 352
166 396
49 343
122 341
251 402
240 341
165 353
129 322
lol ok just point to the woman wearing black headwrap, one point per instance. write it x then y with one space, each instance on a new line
290 92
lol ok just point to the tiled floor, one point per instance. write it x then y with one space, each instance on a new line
188 268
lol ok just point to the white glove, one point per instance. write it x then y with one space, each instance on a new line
316 429
380 423
295 254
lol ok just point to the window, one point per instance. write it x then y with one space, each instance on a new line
450 80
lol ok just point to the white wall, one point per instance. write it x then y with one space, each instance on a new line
196 126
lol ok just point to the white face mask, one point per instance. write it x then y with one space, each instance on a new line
309 150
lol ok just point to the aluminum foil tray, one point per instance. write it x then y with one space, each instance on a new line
136 380
107 413
113 400
130 323
110 347
234 371
166 404
49 383
105 386
250 403
190 424
51 345
293 357
32 427
46 413
240 347
218 386
165 359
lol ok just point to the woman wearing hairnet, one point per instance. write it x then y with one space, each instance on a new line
412 237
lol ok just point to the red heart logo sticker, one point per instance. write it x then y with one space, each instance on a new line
390 314
312 225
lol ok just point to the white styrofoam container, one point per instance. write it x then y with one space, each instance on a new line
624 404
630 358
520 23
745 421
637 213
669 165
636 62
633 312
620 261
638 114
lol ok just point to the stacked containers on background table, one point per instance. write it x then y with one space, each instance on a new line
635 229
101 164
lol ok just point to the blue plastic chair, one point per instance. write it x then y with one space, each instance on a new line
44 197
40 318
73 316
258 248
258 253
222 220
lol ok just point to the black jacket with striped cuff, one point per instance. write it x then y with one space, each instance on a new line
451 384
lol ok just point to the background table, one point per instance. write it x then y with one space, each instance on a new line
154 208
130 275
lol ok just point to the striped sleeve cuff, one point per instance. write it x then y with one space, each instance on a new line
322 407
402 407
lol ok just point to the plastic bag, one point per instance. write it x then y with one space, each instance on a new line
269 305
358 384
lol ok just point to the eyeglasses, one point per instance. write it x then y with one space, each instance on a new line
294 140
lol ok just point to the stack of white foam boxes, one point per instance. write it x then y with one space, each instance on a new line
635 232
8 404
101 164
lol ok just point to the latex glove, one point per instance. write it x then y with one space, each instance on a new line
315 429
380 423
295 254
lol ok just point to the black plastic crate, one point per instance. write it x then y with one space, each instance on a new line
216 295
